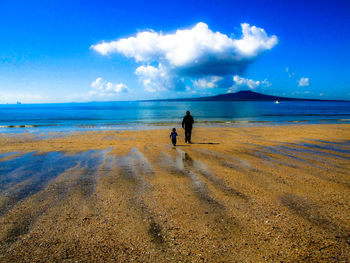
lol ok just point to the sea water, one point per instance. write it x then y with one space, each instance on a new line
146 115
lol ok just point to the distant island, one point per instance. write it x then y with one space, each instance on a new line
244 95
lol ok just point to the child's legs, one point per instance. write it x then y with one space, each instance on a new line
173 141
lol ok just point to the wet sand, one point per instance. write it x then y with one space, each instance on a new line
249 194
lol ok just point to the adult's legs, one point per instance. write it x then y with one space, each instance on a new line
188 135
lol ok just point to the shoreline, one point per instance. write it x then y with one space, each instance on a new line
139 126
247 194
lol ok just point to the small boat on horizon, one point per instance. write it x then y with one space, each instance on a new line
277 102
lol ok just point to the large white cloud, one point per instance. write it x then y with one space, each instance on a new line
104 88
189 53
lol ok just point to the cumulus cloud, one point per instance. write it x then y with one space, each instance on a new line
191 46
249 83
239 81
194 53
101 87
153 78
159 78
208 82
303 82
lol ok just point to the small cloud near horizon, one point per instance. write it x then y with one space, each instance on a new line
207 83
303 82
241 82
104 88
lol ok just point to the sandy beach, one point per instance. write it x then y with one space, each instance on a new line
247 194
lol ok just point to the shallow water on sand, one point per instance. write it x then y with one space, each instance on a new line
27 174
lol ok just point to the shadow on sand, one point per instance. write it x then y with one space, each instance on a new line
187 145
205 143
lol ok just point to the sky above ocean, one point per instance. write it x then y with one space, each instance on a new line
77 51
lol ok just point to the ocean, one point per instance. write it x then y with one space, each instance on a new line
148 115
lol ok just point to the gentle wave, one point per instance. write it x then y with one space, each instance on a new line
18 126
28 126
304 115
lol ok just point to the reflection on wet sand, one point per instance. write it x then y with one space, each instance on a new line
259 194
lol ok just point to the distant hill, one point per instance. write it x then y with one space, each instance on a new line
245 95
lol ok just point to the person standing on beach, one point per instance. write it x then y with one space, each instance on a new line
173 135
187 123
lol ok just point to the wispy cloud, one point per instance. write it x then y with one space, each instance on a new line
195 53
10 97
290 73
305 92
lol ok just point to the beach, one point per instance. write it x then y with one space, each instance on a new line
237 194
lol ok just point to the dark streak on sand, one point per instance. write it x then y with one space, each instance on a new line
134 167
309 211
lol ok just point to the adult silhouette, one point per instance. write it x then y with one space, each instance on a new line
187 124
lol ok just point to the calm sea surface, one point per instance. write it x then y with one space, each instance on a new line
140 115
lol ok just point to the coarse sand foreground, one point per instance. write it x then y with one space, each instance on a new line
248 194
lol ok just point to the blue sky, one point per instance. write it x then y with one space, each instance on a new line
50 51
